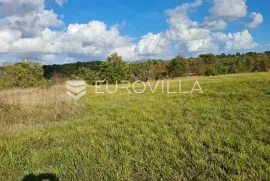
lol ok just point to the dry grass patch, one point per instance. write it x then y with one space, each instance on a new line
34 96
24 109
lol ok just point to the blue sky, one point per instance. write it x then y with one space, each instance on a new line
62 31
148 15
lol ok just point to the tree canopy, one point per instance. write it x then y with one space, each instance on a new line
115 69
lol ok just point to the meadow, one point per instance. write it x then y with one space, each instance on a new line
222 134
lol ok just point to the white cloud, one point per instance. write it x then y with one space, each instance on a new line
96 33
48 57
53 42
229 9
214 24
181 27
28 33
6 38
195 36
60 2
257 20
202 45
151 44
179 14
236 41
219 36
93 39
196 3
32 23
185 32
128 52
240 41
19 7
199 38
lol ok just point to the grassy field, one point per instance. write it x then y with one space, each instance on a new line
223 134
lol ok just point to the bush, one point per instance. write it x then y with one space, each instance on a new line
115 69
87 75
177 67
211 71
23 74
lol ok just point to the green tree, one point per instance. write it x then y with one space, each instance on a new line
177 67
211 71
23 74
87 75
149 70
214 65
197 66
115 69
209 59
159 69
143 71
248 63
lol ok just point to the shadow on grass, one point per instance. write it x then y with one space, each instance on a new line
40 177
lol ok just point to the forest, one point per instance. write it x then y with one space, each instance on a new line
30 74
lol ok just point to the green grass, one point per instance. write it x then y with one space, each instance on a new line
223 134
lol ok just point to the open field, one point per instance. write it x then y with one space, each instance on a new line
223 134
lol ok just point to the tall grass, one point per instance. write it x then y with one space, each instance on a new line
222 134
22 109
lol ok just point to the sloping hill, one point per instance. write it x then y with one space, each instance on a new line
222 134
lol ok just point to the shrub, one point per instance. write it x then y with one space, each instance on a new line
23 74
211 71
115 69
177 67
86 74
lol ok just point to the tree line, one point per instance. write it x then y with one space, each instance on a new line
114 68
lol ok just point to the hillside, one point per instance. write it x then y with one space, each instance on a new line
222 134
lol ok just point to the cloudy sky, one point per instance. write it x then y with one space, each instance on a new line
63 31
